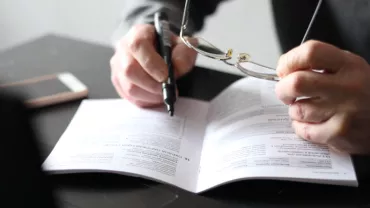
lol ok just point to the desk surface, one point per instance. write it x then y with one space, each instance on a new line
90 63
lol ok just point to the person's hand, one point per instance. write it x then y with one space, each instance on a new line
137 70
337 111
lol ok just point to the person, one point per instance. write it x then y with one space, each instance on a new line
338 111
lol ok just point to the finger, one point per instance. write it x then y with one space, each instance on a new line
311 132
138 93
122 94
142 47
117 85
305 84
132 70
311 111
114 77
183 59
190 40
323 133
310 56
139 103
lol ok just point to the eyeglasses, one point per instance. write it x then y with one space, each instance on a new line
244 62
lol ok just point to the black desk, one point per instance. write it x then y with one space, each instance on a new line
90 63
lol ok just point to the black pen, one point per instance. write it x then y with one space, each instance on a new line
163 31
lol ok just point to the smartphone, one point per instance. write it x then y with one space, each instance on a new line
49 89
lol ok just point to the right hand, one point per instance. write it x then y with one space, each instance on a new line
137 70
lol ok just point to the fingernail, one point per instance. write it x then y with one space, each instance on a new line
160 75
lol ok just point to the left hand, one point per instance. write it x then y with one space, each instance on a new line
337 112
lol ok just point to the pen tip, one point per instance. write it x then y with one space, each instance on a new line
170 109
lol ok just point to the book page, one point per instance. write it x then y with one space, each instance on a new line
117 137
249 135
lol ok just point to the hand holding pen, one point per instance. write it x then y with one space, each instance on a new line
138 70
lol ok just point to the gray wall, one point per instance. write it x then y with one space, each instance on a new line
22 20
247 25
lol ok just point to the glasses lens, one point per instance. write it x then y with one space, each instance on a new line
205 46
197 43
258 70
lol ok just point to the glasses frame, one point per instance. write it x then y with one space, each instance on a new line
226 56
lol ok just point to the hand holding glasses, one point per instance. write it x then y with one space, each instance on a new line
244 62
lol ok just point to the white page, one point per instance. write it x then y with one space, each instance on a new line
116 136
250 136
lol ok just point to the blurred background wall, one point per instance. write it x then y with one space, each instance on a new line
247 25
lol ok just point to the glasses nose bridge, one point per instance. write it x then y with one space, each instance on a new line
242 57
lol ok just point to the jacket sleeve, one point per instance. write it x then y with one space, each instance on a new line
142 12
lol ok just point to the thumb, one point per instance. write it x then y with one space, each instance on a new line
183 58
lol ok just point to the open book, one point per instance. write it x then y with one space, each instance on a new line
243 133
